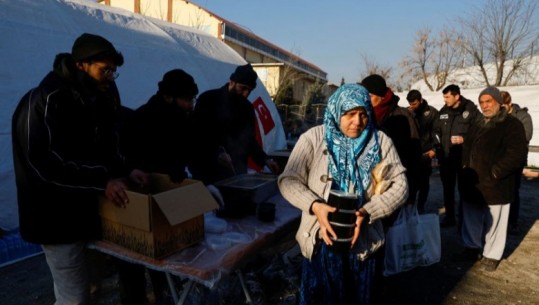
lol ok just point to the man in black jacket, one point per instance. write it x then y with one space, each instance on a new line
425 115
525 118
158 134
225 130
65 154
450 131
157 139
494 152
399 124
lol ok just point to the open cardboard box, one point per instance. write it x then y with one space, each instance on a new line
161 218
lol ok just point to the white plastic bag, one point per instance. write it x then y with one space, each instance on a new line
412 241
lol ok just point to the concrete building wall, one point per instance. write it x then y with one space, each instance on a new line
180 12
270 75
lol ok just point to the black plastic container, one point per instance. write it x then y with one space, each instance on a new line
265 211
344 219
242 193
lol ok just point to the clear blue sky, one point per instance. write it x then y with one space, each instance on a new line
334 35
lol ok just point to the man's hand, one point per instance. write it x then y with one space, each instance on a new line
115 191
457 140
530 173
224 159
273 166
321 211
139 177
430 154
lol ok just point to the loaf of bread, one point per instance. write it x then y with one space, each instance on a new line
380 180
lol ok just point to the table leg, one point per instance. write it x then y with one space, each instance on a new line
172 288
185 292
248 299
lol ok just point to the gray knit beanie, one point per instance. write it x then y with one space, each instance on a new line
494 92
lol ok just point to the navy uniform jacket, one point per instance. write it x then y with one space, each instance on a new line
454 122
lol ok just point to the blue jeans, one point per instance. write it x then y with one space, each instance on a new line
69 273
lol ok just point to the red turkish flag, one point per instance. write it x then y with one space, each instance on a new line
268 124
264 115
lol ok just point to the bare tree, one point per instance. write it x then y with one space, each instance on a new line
416 63
314 96
371 66
433 59
285 85
198 21
502 33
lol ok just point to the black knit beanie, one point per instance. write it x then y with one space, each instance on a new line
245 75
178 83
375 84
88 46
494 92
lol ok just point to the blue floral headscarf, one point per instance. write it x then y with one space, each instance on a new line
351 160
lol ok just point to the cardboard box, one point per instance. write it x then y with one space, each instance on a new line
160 219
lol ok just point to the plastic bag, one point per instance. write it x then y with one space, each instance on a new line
413 241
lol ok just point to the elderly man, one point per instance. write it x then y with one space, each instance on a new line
493 154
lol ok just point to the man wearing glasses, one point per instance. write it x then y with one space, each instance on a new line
65 154
225 130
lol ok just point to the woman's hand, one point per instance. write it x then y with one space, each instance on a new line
361 215
321 211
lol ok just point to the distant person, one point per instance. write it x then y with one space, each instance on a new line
425 116
494 151
296 127
341 155
525 118
65 150
450 131
225 130
158 140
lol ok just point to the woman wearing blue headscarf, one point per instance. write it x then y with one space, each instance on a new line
340 155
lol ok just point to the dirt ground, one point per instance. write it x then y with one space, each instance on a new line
273 280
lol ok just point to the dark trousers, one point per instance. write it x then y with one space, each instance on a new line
450 173
422 184
514 210
132 280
